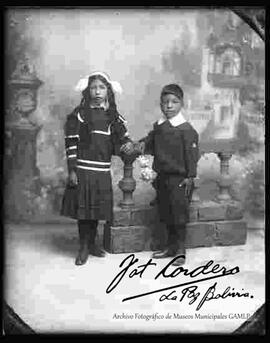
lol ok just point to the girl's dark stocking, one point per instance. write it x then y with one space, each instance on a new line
93 248
83 227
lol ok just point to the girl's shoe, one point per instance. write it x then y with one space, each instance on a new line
82 256
96 251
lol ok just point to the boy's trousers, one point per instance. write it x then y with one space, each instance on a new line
173 208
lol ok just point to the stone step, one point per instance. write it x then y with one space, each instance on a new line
135 238
201 211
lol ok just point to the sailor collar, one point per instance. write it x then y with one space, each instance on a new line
102 106
119 117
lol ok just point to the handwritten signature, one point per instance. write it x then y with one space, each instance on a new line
191 291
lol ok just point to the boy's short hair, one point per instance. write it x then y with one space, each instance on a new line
174 89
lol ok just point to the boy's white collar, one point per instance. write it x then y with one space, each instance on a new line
175 121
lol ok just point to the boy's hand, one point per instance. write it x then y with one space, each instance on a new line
73 179
127 148
189 183
139 147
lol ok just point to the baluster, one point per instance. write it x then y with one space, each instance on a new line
195 195
128 183
224 181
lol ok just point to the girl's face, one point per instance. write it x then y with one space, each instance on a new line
98 91
170 105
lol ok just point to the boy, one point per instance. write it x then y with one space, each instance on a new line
174 144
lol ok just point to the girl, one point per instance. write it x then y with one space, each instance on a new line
94 131
174 144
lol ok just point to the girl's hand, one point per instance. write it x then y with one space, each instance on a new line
189 186
127 148
73 179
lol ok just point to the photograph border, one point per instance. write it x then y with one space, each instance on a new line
254 16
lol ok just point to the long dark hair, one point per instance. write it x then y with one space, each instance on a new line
85 102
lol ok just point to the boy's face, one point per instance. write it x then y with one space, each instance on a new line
170 105
98 91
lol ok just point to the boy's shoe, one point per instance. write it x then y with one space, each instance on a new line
156 246
163 253
181 259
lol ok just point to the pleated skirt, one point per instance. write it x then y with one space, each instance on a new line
92 198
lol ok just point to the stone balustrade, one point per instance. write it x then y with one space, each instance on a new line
216 222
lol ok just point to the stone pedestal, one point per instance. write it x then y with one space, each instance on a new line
21 173
211 224
135 229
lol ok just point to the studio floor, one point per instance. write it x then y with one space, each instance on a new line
52 295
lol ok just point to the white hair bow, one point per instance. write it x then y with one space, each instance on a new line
83 83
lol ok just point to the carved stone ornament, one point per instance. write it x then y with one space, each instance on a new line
22 93
25 101
24 75
24 70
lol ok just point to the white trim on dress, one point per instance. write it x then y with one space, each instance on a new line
94 162
72 147
92 168
72 136
107 133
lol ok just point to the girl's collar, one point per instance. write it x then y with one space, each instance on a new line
111 112
104 105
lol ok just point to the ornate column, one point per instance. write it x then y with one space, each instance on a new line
128 183
224 181
21 172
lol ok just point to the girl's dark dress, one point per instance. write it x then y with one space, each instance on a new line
92 136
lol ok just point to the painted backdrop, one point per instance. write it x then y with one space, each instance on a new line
208 52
